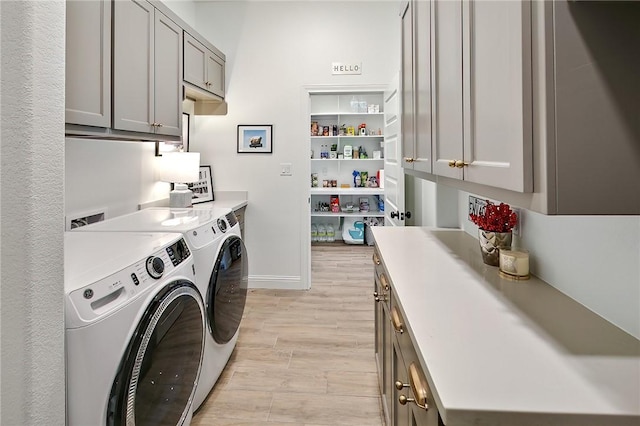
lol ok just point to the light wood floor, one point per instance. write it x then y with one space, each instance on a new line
305 357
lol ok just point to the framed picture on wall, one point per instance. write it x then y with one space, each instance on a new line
255 138
203 188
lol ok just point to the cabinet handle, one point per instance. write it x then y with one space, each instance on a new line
399 385
153 124
458 163
396 321
409 159
418 388
376 259
385 283
160 125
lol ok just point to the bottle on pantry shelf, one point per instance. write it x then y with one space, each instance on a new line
355 105
331 234
322 233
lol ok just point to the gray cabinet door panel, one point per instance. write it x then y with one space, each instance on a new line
497 87
215 74
133 93
446 78
407 112
195 55
168 76
422 85
88 63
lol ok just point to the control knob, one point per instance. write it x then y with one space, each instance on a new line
222 225
155 267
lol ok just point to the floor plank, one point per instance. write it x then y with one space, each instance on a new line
304 357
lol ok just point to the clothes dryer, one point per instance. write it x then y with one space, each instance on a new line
134 329
213 235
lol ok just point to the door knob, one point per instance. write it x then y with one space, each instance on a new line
395 215
405 215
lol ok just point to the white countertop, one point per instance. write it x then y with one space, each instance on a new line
502 352
223 199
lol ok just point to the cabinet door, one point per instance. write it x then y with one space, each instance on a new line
422 85
88 63
133 91
407 116
497 94
168 76
446 83
400 415
215 74
195 62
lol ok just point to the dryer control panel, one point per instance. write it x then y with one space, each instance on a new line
109 294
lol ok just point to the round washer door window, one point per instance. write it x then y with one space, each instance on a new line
228 290
158 374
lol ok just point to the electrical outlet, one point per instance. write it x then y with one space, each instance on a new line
285 169
476 206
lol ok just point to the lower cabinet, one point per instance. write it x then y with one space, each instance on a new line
405 394
383 345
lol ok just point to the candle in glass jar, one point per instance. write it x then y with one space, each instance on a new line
514 262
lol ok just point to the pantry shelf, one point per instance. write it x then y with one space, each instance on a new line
347 191
343 214
347 147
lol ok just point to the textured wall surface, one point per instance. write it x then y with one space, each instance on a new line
32 154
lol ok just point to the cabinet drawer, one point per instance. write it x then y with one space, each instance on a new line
399 327
413 397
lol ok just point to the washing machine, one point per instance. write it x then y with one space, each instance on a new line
213 235
134 329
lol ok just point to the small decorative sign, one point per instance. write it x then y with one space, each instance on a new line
338 68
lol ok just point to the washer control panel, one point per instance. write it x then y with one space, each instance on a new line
108 294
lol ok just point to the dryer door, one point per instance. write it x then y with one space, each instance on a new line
159 371
227 290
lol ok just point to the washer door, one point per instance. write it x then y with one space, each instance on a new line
159 371
227 292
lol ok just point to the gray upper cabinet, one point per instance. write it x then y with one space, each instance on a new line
147 70
416 86
532 103
497 90
202 67
88 63
481 56
168 75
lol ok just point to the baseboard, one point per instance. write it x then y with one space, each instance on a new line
276 282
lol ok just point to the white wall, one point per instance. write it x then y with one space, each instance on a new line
110 175
593 259
274 50
32 189
185 9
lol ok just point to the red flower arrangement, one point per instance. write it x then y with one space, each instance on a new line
495 218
